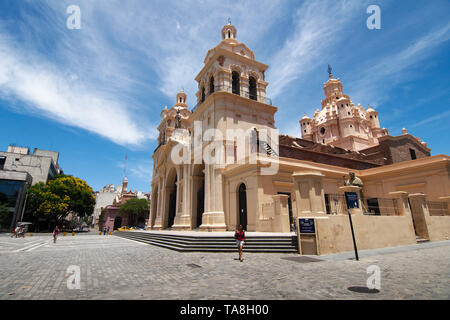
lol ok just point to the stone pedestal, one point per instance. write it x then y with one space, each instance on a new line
401 198
310 197
213 221
419 212
356 190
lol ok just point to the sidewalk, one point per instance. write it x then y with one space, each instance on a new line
350 255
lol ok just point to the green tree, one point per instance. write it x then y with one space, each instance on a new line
60 196
135 208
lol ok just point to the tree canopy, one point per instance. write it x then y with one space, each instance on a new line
135 206
60 196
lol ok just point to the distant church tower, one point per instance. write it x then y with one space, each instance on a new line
169 119
340 122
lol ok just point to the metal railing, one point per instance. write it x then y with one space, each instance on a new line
380 206
438 208
337 204
245 94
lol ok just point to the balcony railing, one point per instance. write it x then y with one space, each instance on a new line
244 94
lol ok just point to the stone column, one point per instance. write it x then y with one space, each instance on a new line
183 218
357 190
281 213
309 193
158 223
214 217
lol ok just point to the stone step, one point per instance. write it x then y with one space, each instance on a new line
421 240
206 238
212 244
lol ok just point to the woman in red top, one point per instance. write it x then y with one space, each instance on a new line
55 234
240 240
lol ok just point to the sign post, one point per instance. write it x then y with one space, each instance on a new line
352 202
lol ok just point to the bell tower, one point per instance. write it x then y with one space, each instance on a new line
231 96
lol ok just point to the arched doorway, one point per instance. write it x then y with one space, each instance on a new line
200 205
117 223
198 195
171 197
242 214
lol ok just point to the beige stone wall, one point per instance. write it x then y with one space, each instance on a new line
438 228
371 232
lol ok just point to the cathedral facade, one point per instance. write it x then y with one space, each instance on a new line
223 163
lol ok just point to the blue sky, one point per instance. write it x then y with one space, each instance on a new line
95 94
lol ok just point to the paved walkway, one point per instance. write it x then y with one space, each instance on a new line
117 268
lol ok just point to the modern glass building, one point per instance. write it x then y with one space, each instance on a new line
13 187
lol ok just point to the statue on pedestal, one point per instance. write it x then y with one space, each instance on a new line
353 181
178 120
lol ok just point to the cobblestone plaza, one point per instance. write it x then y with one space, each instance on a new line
117 268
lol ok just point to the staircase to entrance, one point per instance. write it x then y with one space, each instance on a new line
210 242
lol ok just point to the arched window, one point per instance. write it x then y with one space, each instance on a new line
229 34
203 94
211 85
252 88
235 83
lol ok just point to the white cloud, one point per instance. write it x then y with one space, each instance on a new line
45 89
315 32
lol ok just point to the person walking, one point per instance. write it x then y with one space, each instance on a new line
104 230
240 240
107 230
55 234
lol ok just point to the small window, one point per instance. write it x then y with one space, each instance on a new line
304 130
203 94
323 141
235 83
252 88
413 154
348 113
211 85
351 126
371 117
322 130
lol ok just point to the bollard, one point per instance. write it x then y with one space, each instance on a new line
31 234
64 234
109 233
73 233
99 233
